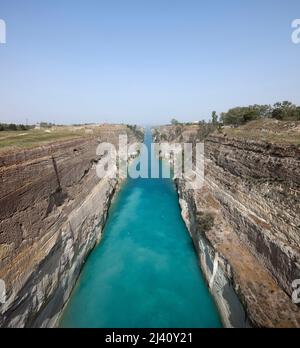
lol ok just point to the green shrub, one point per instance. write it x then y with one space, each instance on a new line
281 111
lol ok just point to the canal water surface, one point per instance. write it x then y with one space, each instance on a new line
145 271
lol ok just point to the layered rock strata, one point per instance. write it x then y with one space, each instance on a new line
52 211
245 225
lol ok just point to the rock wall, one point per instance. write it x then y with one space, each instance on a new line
245 225
52 211
214 266
258 186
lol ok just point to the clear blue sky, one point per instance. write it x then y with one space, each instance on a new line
70 61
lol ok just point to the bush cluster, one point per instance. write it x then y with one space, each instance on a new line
285 111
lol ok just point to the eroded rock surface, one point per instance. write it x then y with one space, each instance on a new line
245 224
52 211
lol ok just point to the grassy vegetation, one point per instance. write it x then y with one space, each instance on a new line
37 137
13 140
263 129
272 131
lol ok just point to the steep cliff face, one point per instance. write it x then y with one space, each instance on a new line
245 225
258 188
52 211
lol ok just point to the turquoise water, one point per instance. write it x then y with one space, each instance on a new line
145 271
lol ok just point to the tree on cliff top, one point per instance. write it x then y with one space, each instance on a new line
240 115
280 111
13 127
286 111
214 118
174 121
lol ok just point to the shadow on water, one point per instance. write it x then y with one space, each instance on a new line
145 271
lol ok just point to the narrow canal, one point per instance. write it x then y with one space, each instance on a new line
145 271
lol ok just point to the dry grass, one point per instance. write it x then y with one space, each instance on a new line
14 140
272 131
36 137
